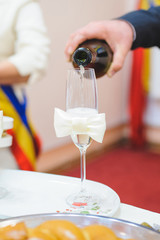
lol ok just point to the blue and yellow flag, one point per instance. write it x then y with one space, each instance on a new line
26 144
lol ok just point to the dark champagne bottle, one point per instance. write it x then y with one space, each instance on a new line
95 54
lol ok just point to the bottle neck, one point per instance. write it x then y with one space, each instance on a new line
82 56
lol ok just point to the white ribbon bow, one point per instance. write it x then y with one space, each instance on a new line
66 124
1 123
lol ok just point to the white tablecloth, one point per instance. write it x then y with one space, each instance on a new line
137 215
24 198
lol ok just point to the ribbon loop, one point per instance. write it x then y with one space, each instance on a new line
66 124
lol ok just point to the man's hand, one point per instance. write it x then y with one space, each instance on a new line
117 33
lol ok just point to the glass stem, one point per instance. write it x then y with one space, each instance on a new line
83 167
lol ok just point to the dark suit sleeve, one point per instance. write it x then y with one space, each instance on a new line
147 27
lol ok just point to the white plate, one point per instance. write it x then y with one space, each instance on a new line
6 141
7 123
34 193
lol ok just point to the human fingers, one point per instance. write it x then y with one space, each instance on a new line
117 64
91 30
73 43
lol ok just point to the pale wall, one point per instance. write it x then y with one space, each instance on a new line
62 18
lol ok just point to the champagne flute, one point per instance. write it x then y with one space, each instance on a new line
81 103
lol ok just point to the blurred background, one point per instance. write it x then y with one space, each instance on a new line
62 18
59 155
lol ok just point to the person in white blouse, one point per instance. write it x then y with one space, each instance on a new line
24 51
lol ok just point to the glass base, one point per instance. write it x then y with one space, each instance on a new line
84 200
3 192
